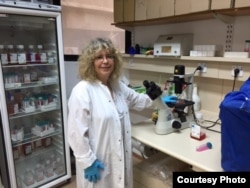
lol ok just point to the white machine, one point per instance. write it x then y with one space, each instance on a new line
173 45
167 122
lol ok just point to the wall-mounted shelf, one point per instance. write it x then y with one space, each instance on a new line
217 67
186 17
190 58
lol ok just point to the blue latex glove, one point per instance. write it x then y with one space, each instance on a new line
169 99
92 173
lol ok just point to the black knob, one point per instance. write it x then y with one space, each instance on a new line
176 125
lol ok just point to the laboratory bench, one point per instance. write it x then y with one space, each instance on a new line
181 146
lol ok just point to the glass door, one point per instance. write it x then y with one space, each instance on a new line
34 100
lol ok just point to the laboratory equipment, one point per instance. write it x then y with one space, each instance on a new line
171 117
173 45
32 97
165 120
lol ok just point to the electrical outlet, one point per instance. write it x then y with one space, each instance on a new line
237 67
131 63
204 67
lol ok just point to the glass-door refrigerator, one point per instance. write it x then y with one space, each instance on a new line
33 104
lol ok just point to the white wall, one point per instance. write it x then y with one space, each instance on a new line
86 20
212 31
71 75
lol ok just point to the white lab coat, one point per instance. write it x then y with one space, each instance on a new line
99 128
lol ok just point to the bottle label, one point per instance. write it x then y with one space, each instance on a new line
13 58
33 76
43 57
50 60
32 57
21 58
4 59
16 108
26 78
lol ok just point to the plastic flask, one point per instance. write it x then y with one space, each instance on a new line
196 99
48 169
21 55
53 160
51 56
247 46
39 173
28 177
41 56
59 166
12 55
4 55
31 54
12 105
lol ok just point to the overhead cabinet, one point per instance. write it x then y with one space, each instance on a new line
191 6
147 12
221 4
140 10
118 11
148 9
242 3
124 10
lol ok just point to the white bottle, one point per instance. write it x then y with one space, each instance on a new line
21 55
196 99
42 54
28 177
48 169
59 166
31 54
4 55
39 173
12 55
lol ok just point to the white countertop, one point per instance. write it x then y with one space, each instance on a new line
181 146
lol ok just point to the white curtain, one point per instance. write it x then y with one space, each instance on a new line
84 20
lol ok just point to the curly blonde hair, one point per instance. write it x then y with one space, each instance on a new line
86 69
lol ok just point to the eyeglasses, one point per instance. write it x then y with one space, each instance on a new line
108 57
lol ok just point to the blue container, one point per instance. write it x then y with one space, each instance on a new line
235 129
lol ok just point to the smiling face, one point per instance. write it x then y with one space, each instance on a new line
104 66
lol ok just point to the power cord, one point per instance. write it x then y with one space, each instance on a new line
199 68
217 122
236 74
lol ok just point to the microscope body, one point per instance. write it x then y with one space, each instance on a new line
167 122
172 118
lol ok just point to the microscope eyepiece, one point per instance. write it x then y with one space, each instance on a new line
146 83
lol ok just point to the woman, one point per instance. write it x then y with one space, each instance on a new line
99 128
